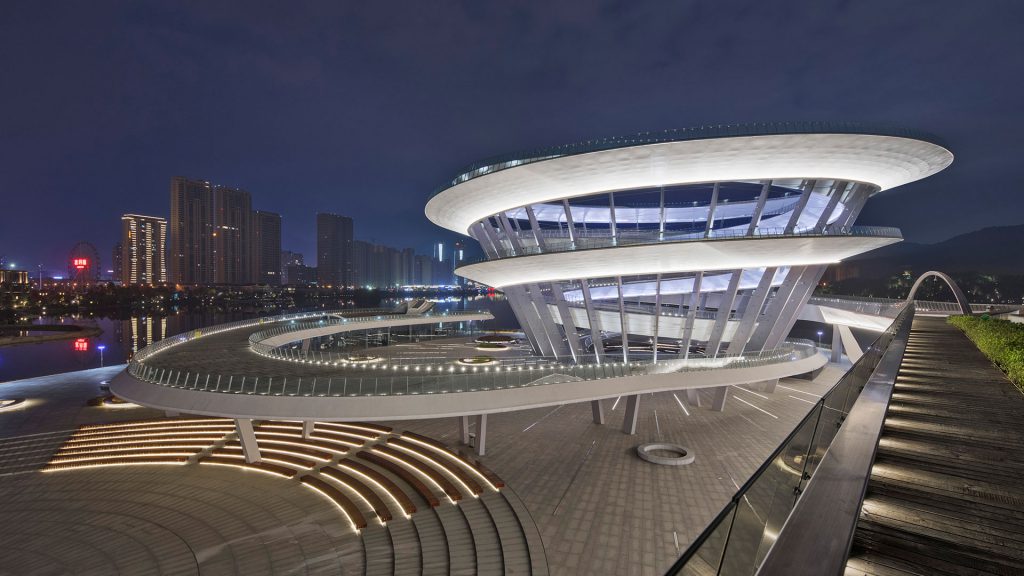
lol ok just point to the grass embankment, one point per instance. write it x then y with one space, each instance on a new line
1001 340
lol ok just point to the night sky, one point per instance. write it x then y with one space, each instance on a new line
363 108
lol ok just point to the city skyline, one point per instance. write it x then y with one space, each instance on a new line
338 142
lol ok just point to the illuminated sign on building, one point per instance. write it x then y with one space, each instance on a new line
81 345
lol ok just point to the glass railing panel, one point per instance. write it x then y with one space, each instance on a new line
706 559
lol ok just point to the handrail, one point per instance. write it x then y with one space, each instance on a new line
256 338
818 531
506 161
655 237
400 380
778 475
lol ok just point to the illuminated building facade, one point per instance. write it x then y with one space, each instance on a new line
702 241
191 251
143 249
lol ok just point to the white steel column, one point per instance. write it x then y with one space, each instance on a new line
691 314
710 224
247 437
739 339
837 345
622 321
759 209
838 189
801 293
724 311
592 319
853 349
632 413
721 395
572 335
775 308
535 226
808 189
551 331
481 434
569 221
464 430
657 312
597 410
661 214
611 216
692 397
307 428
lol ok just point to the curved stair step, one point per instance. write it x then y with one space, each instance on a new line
433 542
514 551
461 549
486 540
538 557
378 550
406 544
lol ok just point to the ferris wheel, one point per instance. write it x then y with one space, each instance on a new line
84 264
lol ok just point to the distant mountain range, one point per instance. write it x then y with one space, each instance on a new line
995 250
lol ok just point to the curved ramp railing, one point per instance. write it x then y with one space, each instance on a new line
590 242
400 380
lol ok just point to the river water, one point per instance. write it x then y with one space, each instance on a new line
123 336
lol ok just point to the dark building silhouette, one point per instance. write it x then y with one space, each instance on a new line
266 247
334 249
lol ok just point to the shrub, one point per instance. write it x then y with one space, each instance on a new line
1001 340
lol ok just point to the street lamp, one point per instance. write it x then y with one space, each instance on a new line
820 334
101 348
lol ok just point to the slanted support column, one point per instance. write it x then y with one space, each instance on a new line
464 430
307 428
692 397
622 322
710 224
598 411
837 345
592 320
632 413
481 434
691 314
305 346
853 349
768 386
759 209
611 216
718 402
247 437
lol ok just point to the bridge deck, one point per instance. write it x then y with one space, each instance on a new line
946 494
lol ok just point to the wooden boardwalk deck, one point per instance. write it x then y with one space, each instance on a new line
946 494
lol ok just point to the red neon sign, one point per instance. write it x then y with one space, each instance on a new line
80 263
81 345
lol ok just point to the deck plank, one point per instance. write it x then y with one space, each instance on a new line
946 494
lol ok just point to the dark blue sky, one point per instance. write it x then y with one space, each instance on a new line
362 108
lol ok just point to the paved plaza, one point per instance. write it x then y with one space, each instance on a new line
598 507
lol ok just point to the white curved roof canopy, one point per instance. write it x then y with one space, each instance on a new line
885 161
671 257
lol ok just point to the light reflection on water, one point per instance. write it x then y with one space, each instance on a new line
122 337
